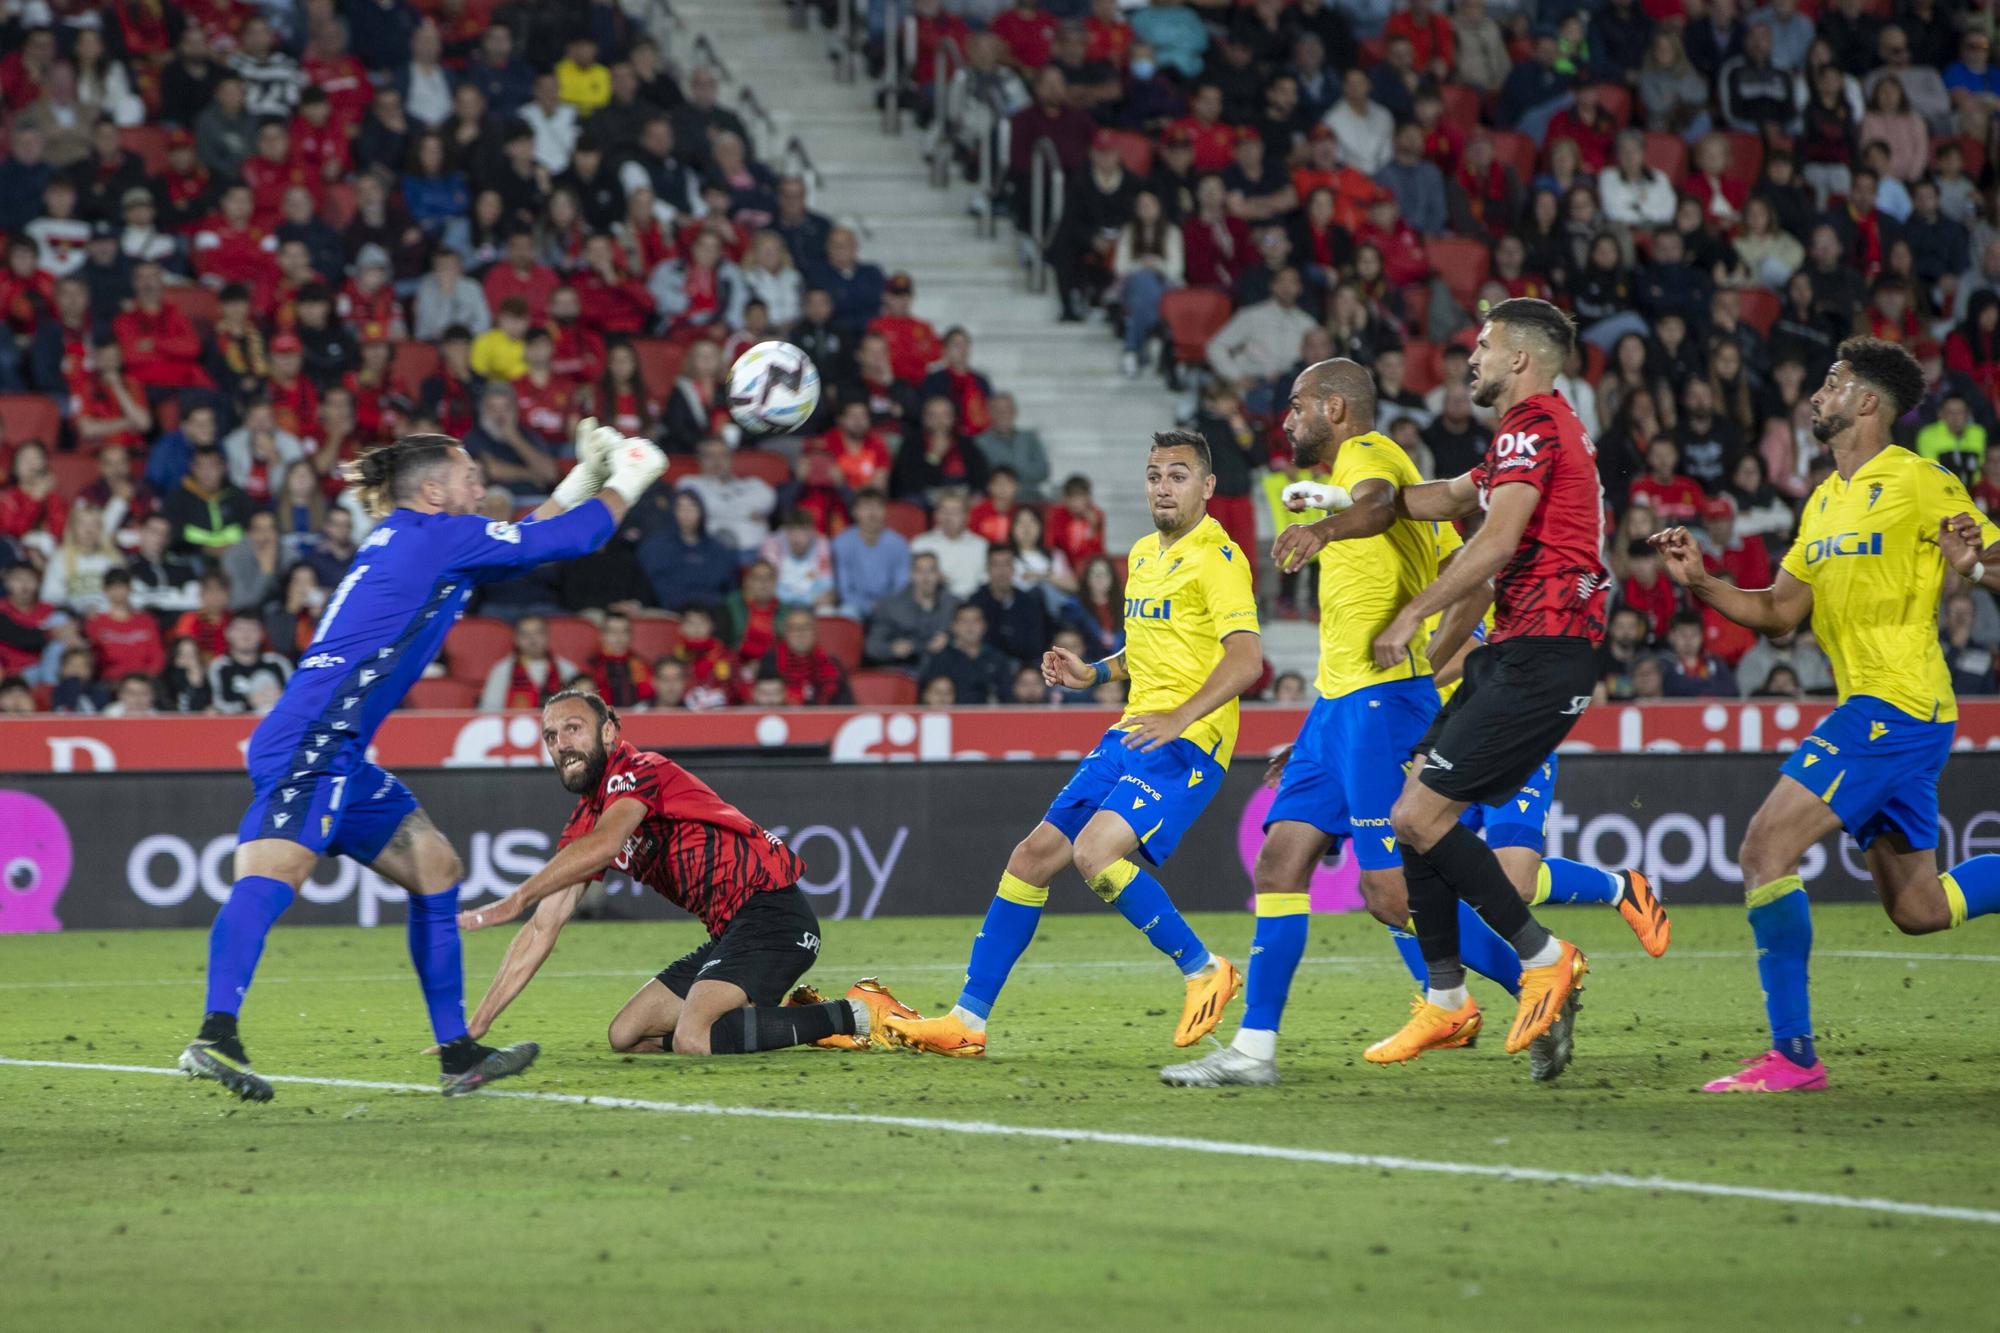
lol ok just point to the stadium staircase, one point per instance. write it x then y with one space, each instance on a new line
1065 376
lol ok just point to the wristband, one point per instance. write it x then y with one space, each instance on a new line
1978 573
1100 673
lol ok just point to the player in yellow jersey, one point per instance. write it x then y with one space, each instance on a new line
1192 645
1868 566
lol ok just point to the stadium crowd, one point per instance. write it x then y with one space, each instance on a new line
244 242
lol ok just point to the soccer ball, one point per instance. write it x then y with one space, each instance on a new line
773 387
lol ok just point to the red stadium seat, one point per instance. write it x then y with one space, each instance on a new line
30 416
1974 149
442 692
1134 150
573 637
1513 149
1193 315
654 638
1373 51
907 518
1616 99
1667 153
765 464
1463 263
840 639
72 472
167 416
1421 366
680 467
474 645
883 689
1593 362
659 362
1461 104
1746 157
149 142
1758 308
411 364
198 303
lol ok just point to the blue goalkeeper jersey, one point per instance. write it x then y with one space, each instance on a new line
388 618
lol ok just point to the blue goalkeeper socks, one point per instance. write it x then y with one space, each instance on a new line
1275 950
1144 903
236 940
1781 919
1561 881
1011 919
1973 888
1479 948
433 934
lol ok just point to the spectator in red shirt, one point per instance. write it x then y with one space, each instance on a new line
1589 126
162 349
123 499
319 142
519 274
623 678
368 303
1049 117
809 674
1648 590
1430 38
610 301
450 396
548 401
1214 142
1747 563
1986 489
29 625
913 343
110 406
1215 244
127 641
327 65
294 401
1111 37
621 398
206 623
992 516
230 247
1403 259
380 407
272 170
1671 496
579 351
1076 526
27 293
855 448
970 392
29 503
1028 34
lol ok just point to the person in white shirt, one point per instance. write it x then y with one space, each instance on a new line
553 122
738 508
961 553
425 84
1365 129
1631 193
1261 341
271 79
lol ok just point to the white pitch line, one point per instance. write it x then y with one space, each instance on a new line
1384 959
1171 1143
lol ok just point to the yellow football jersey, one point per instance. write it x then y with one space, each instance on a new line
1447 540
1867 545
1179 605
1365 582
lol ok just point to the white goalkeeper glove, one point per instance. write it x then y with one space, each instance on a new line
635 465
1302 495
594 446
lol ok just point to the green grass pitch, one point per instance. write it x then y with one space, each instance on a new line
144 1202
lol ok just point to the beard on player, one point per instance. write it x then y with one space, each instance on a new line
1485 389
1827 429
580 770
1310 437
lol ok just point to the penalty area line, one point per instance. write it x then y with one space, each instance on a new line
1157 1142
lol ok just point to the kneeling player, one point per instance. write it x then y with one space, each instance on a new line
647 816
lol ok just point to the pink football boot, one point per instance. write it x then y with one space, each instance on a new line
1772 1072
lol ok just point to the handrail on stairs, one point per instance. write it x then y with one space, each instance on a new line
844 44
661 25
894 24
747 98
1045 206
704 50
992 146
947 59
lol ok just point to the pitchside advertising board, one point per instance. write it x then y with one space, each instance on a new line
150 849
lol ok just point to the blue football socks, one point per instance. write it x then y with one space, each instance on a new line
1973 888
1275 950
434 949
1563 881
1011 920
236 940
1145 904
1781 919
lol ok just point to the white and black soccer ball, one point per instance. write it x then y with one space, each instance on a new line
773 388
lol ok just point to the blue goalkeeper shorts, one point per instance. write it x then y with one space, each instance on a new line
334 804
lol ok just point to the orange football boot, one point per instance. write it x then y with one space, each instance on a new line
1544 992
1432 1027
1642 911
1208 994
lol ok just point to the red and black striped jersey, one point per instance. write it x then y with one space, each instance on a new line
1556 582
692 847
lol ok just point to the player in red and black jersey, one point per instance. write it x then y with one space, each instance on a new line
645 815
1541 546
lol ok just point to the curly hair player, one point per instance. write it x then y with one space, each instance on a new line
1868 565
646 815
315 794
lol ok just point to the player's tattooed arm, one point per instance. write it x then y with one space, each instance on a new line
1454 497
1371 512
526 953
580 862
1778 609
1063 668
1509 510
